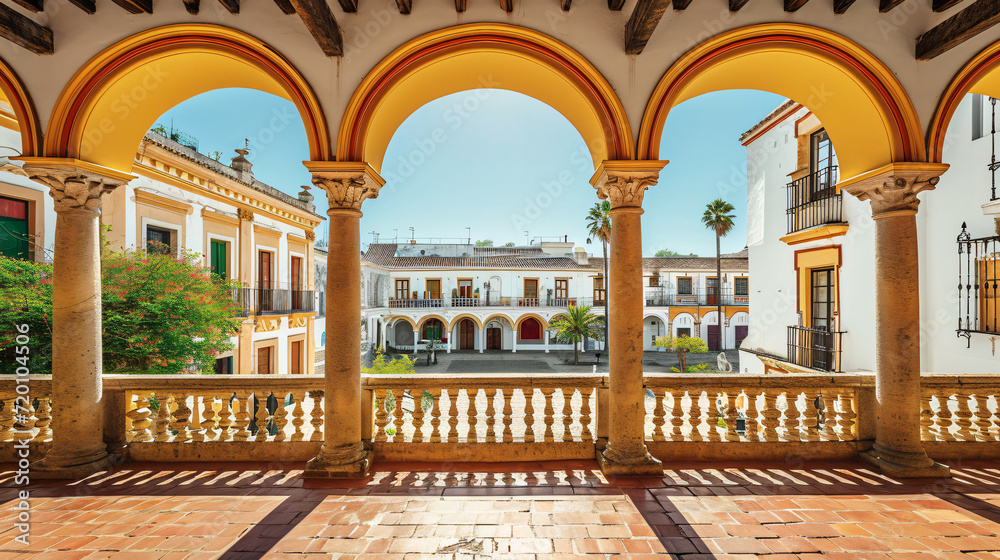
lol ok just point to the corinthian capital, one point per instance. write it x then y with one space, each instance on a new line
74 184
893 189
623 183
347 184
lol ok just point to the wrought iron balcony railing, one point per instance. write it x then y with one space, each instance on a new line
661 297
275 301
814 348
813 200
978 284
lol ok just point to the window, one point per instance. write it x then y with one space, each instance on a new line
264 270
683 331
296 283
599 290
403 289
530 287
465 287
823 163
822 299
654 281
684 286
224 366
742 286
433 289
562 288
219 259
14 229
161 240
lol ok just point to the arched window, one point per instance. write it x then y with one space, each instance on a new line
433 330
531 329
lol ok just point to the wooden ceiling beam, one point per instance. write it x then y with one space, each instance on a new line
942 5
616 5
735 5
642 23
404 6
565 5
461 5
31 5
959 28
349 6
22 31
192 6
232 6
507 5
86 5
886 5
285 6
136 6
794 5
841 6
319 20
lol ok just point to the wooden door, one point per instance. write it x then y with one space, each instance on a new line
713 337
264 360
296 283
466 335
530 292
433 289
264 281
713 291
296 351
741 333
493 340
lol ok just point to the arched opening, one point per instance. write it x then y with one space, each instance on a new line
18 113
483 56
530 331
433 329
107 107
653 327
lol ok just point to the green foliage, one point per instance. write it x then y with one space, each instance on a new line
682 346
215 154
669 253
484 243
599 222
575 325
697 368
509 244
161 130
717 217
399 365
25 299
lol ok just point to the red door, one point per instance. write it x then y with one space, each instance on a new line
741 333
713 337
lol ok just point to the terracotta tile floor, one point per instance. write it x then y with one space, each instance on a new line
510 511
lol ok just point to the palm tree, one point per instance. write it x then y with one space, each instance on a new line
599 224
575 325
717 217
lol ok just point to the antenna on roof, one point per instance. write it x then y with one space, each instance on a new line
374 236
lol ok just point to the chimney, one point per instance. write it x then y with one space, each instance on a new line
307 197
580 255
241 166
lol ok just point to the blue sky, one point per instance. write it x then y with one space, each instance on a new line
505 165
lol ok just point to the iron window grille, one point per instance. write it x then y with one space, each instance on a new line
978 285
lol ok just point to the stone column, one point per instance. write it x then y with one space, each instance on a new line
623 183
416 337
893 191
347 186
546 335
482 339
78 447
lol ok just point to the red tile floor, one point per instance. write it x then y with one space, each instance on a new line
509 511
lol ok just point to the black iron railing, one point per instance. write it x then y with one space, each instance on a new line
813 200
272 301
978 284
661 297
814 348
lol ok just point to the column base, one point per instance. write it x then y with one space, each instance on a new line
57 470
616 464
350 462
901 464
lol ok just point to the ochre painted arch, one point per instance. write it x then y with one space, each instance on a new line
503 316
475 56
455 321
395 319
425 318
979 75
865 109
12 92
109 104
541 321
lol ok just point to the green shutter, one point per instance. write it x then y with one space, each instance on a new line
219 259
14 238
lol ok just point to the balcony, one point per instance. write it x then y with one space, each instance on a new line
661 297
814 348
813 201
415 303
274 301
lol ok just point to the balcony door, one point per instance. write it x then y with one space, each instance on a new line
465 288
402 289
562 291
264 280
712 285
823 161
433 289
296 283
821 306
530 292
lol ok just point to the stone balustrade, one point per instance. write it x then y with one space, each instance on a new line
512 416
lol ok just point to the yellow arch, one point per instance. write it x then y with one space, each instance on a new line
13 93
865 109
425 318
475 56
458 319
394 319
539 318
106 108
980 75
504 316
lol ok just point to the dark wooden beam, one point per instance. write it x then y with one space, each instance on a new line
404 6
20 30
319 20
507 5
461 5
959 28
942 5
31 5
136 6
794 5
565 5
886 5
86 5
233 6
192 6
641 24
285 6
615 4
349 6
840 6
681 5
735 5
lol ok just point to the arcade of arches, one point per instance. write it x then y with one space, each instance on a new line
87 152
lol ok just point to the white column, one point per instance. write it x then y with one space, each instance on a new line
546 334
482 339
415 339
513 340
450 339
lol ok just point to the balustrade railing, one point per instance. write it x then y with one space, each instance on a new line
661 297
273 301
960 409
813 200
814 348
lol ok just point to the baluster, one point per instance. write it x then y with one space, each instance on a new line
676 415
694 417
241 424
982 420
491 421
772 417
179 418
381 414
453 415
262 415
659 415
944 417
928 427
418 414
317 416
732 413
28 415
809 418
298 417
508 412
473 415
829 430
44 423
585 419
7 419
138 415
963 417
567 414
529 414
225 414
847 421
754 425
994 417
280 418
161 428
436 416
208 419
397 414
548 415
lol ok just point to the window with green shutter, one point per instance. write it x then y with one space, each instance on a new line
14 228
218 259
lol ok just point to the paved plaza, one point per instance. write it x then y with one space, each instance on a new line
553 510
